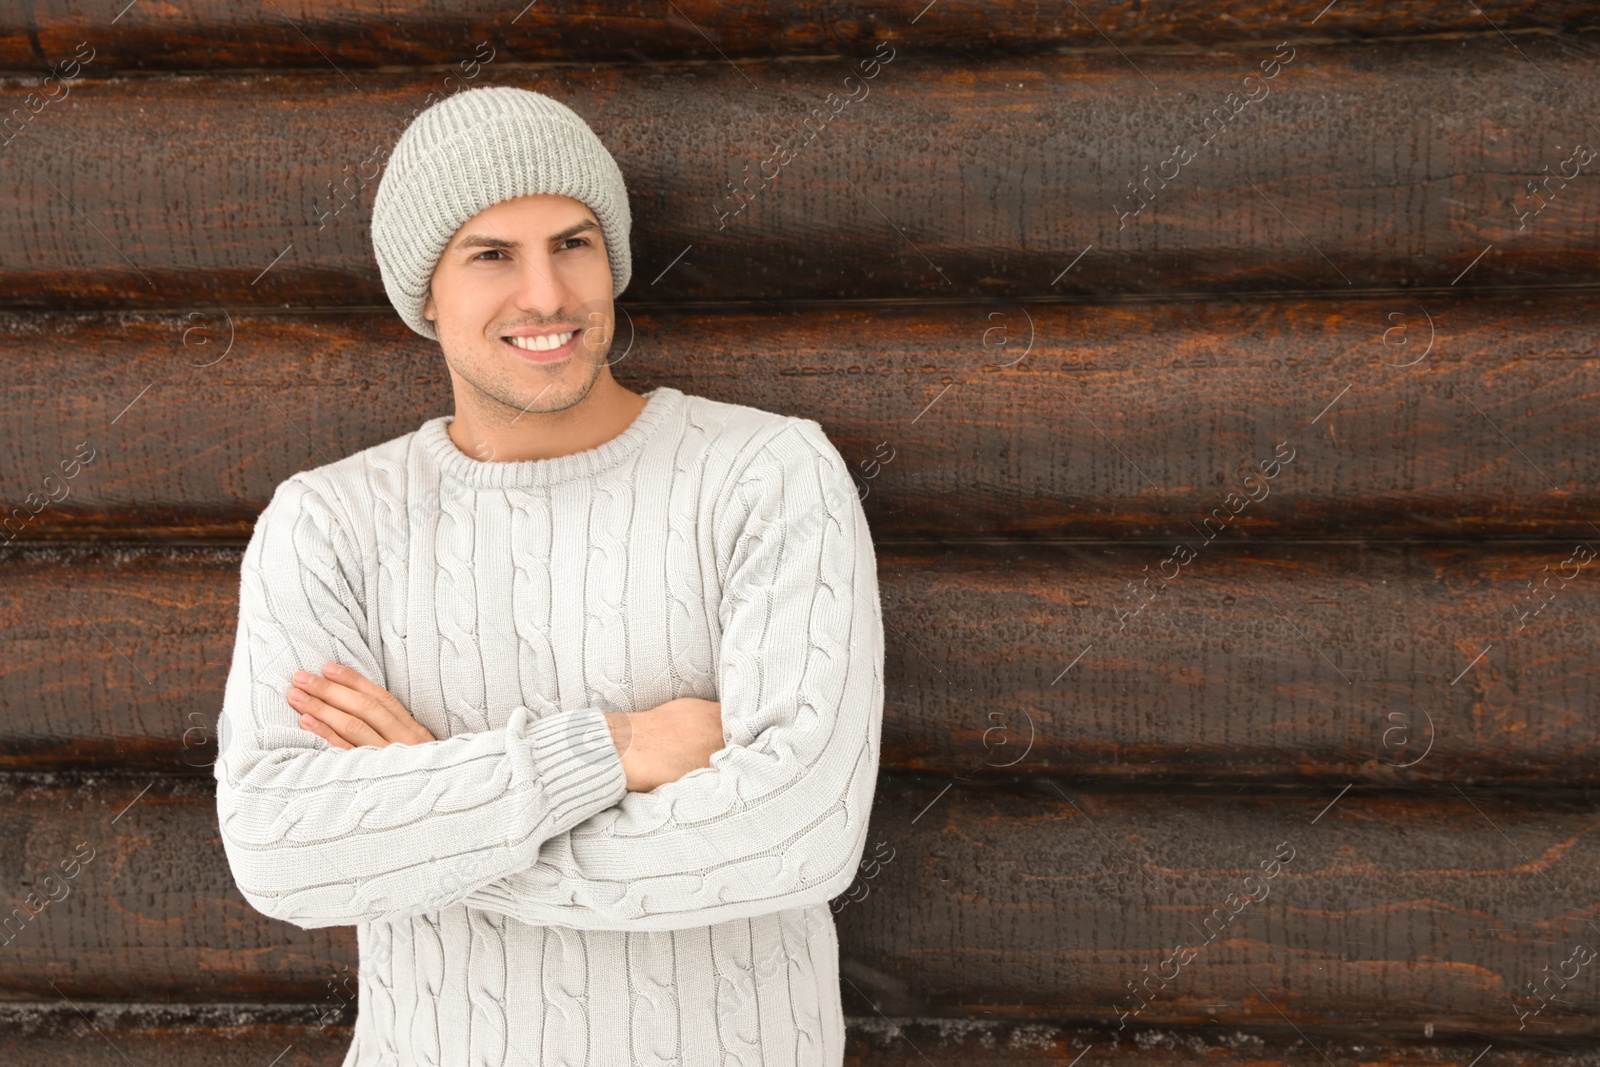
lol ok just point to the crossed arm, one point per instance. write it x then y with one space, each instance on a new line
321 837
777 818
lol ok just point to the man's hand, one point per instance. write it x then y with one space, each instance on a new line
667 742
349 711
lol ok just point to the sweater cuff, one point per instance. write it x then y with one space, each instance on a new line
578 763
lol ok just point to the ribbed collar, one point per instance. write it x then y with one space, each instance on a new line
662 405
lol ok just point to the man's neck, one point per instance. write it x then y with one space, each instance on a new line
490 431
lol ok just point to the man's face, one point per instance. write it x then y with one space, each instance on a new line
533 265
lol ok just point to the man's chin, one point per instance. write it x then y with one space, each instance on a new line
558 393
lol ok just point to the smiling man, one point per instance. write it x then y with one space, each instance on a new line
570 701
505 363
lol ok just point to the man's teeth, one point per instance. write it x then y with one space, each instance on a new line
542 344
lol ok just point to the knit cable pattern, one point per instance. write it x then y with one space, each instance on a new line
515 904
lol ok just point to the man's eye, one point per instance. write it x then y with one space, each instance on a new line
580 241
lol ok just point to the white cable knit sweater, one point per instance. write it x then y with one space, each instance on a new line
514 904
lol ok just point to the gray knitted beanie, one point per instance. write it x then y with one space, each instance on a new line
471 151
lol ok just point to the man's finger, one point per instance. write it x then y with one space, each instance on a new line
349 676
324 731
400 727
353 679
373 712
350 728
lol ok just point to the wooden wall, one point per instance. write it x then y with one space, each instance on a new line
1220 378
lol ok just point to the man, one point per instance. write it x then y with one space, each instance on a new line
570 702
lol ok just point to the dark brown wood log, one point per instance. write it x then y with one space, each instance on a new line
1042 176
1372 915
1406 417
361 33
1093 749
47 1036
1024 904
1387 664
90 1034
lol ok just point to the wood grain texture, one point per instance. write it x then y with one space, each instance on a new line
1391 665
1048 351
1015 177
281 1036
100 1034
361 33
1408 418
989 896
1027 903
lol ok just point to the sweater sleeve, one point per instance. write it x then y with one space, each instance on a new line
779 819
317 835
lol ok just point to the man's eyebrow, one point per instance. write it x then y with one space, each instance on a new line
480 240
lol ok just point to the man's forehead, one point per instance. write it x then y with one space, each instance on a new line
478 235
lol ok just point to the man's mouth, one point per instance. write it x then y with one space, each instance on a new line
545 348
